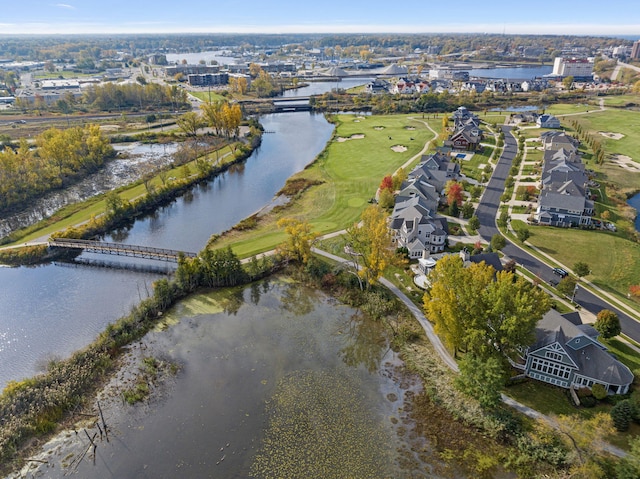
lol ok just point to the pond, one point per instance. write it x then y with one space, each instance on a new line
276 381
634 201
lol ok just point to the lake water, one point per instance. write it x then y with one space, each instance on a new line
511 73
276 381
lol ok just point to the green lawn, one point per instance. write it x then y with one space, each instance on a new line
566 108
621 100
534 155
472 168
205 95
624 122
614 271
350 171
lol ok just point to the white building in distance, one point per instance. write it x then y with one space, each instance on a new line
575 67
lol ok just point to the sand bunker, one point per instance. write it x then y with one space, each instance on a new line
340 139
399 148
611 135
109 127
624 161
410 128
378 128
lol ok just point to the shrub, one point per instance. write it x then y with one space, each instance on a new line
588 401
599 392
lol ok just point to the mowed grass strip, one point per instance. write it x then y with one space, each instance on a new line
614 261
351 171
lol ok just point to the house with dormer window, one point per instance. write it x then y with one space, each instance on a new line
567 354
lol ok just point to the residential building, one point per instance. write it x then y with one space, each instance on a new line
569 355
208 79
436 169
466 138
635 50
414 223
575 67
565 199
376 86
548 121
403 86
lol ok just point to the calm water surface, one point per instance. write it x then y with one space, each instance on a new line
49 311
518 73
277 381
634 201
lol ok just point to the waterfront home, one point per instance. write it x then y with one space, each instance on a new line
566 354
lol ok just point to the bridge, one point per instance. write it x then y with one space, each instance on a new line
120 249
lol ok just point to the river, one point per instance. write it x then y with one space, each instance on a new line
49 311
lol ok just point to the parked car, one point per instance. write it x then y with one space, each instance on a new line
560 272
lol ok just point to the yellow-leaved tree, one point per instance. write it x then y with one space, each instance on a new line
299 241
370 243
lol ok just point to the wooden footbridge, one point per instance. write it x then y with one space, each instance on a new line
120 249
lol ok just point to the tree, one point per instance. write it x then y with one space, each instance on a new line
189 123
453 190
483 316
371 241
455 299
581 269
607 324
300 239
503 219
482 379
621 416
386 183
584 437
498 242
567 286
454 211
399 178
386 198
567 82
467 210
628 467
474 223
523 234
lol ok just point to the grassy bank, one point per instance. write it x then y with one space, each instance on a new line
347 174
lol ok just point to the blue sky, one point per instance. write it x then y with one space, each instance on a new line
595 17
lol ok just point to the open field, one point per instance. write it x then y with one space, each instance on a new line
614 261
624 122
568 108
208 96
621 100
351 172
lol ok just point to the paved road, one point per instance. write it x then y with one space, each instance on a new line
487 211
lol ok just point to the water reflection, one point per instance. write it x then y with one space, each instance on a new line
260 394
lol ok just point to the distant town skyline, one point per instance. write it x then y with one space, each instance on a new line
612 18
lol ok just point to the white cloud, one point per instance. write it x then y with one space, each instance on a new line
65 5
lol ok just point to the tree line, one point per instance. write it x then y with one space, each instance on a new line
113 97
60 157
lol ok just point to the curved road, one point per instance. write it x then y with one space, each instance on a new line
487 212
